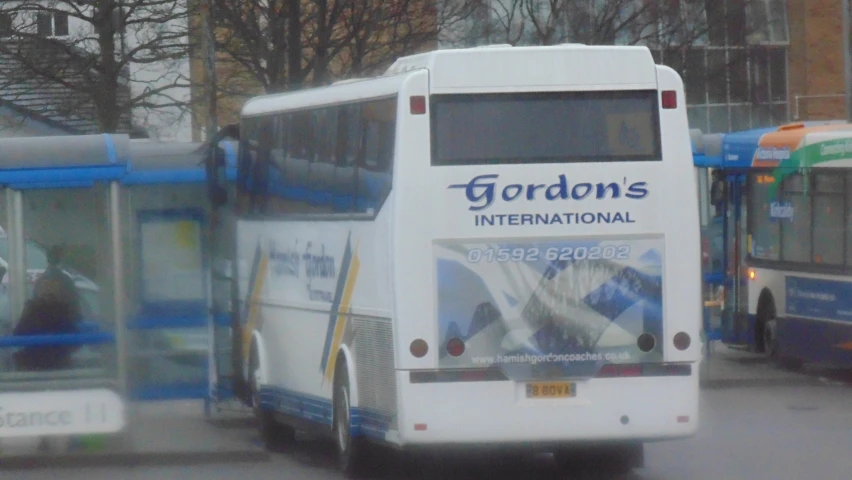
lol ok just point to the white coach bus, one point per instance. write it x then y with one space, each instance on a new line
489 246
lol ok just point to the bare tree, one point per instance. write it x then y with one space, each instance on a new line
279 45
549 22
95 59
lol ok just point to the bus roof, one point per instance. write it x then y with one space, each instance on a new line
772 147
574 66
357 89
490 68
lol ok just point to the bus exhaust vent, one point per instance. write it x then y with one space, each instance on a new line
376 372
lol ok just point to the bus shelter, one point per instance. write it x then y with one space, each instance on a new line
63 351
165 218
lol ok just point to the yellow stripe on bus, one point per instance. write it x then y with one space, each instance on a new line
343 315
254 308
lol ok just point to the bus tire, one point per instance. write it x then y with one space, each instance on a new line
274 435
770 342
353 453
765 325
770 337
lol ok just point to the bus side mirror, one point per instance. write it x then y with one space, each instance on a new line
216 178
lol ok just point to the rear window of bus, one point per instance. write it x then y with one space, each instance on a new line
558 127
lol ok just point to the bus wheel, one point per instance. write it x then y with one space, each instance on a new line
352 451
274 435
770 338
770 344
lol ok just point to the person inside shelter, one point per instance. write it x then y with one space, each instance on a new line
53 310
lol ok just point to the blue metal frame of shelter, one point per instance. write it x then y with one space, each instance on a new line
63 162
55 163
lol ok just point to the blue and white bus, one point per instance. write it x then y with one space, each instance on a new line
784 212
488 246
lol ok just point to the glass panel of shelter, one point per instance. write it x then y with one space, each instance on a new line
166 288
69 282
7 323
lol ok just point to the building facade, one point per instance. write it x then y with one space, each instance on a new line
815 56
51 36
745 63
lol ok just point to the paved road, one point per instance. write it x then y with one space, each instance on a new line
758 433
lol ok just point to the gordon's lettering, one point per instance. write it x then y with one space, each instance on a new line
481 191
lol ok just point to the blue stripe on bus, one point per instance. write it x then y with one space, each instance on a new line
342 201
363 421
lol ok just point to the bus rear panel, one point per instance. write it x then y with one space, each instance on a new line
546 253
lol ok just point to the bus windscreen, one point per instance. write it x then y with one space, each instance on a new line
552 127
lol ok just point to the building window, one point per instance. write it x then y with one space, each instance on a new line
52 24
5 24
767 22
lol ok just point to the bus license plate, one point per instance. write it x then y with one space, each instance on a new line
551 390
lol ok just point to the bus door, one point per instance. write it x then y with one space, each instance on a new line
735 308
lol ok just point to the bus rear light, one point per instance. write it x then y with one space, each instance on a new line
683 419
682 341
630 371
419 348
417 104
419 427
455 347
669 99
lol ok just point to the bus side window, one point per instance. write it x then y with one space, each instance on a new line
322 166
260 169
349 150
379 132
297 185
277 171
796 231
326 140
